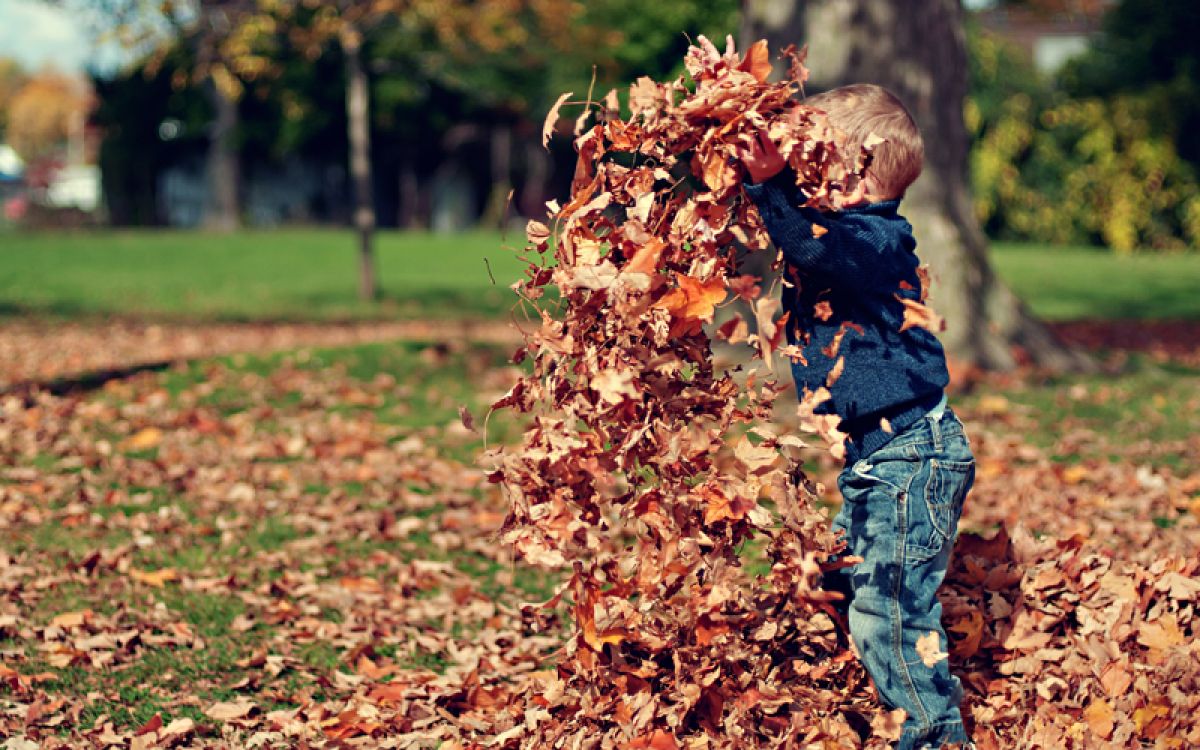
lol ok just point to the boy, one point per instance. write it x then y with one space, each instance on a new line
908 464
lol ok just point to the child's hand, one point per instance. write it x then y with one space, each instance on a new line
761 158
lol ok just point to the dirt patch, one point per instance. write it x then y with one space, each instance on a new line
43 352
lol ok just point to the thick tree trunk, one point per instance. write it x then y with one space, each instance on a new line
777 21
359 124
223 165
918 51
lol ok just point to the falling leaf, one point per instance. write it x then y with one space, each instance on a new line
971 628
917 315
694 299
552 119
614 385
466 418
758 61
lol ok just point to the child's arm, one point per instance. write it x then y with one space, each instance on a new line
846 250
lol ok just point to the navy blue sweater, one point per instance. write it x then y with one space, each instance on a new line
851 277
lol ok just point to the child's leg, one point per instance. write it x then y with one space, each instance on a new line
901 509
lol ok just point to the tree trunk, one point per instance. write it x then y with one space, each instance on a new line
359 124
917 50
223 165
408 216
777 21
496 210
537 176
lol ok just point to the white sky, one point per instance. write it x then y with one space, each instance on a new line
38 35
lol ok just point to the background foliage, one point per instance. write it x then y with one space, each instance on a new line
1095 155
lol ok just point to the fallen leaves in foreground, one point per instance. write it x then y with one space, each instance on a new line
286 496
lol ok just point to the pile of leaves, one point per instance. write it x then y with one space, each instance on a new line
646 473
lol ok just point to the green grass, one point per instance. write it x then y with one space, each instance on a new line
295 274
1074 283
311 274
1149 409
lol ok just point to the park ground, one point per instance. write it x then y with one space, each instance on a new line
234 500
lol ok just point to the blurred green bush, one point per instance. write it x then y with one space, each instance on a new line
1050 167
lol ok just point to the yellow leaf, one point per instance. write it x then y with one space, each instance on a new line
1144 719
72 619
1099 717
1075 474
143 439
155 578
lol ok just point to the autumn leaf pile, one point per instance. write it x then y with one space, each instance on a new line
646 472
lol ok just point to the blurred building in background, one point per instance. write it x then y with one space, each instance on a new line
1050 33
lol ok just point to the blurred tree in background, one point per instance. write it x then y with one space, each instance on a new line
47 110
424 104
12 78
1098 154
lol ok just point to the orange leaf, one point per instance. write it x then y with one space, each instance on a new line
144 439
155 578
361 584
656 740
1099 715
645 259
388 692
758 61
917 315
72 619
971 628
694 299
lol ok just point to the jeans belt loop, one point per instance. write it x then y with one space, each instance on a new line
935 427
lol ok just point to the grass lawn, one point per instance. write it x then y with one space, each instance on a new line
307 274
1079 283
294 274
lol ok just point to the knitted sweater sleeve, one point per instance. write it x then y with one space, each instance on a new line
850 250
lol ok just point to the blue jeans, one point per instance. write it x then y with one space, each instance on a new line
900 513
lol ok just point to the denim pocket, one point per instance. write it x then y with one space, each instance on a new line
933 510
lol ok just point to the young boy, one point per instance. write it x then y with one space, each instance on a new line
908 464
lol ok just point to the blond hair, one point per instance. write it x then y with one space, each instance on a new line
863 109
